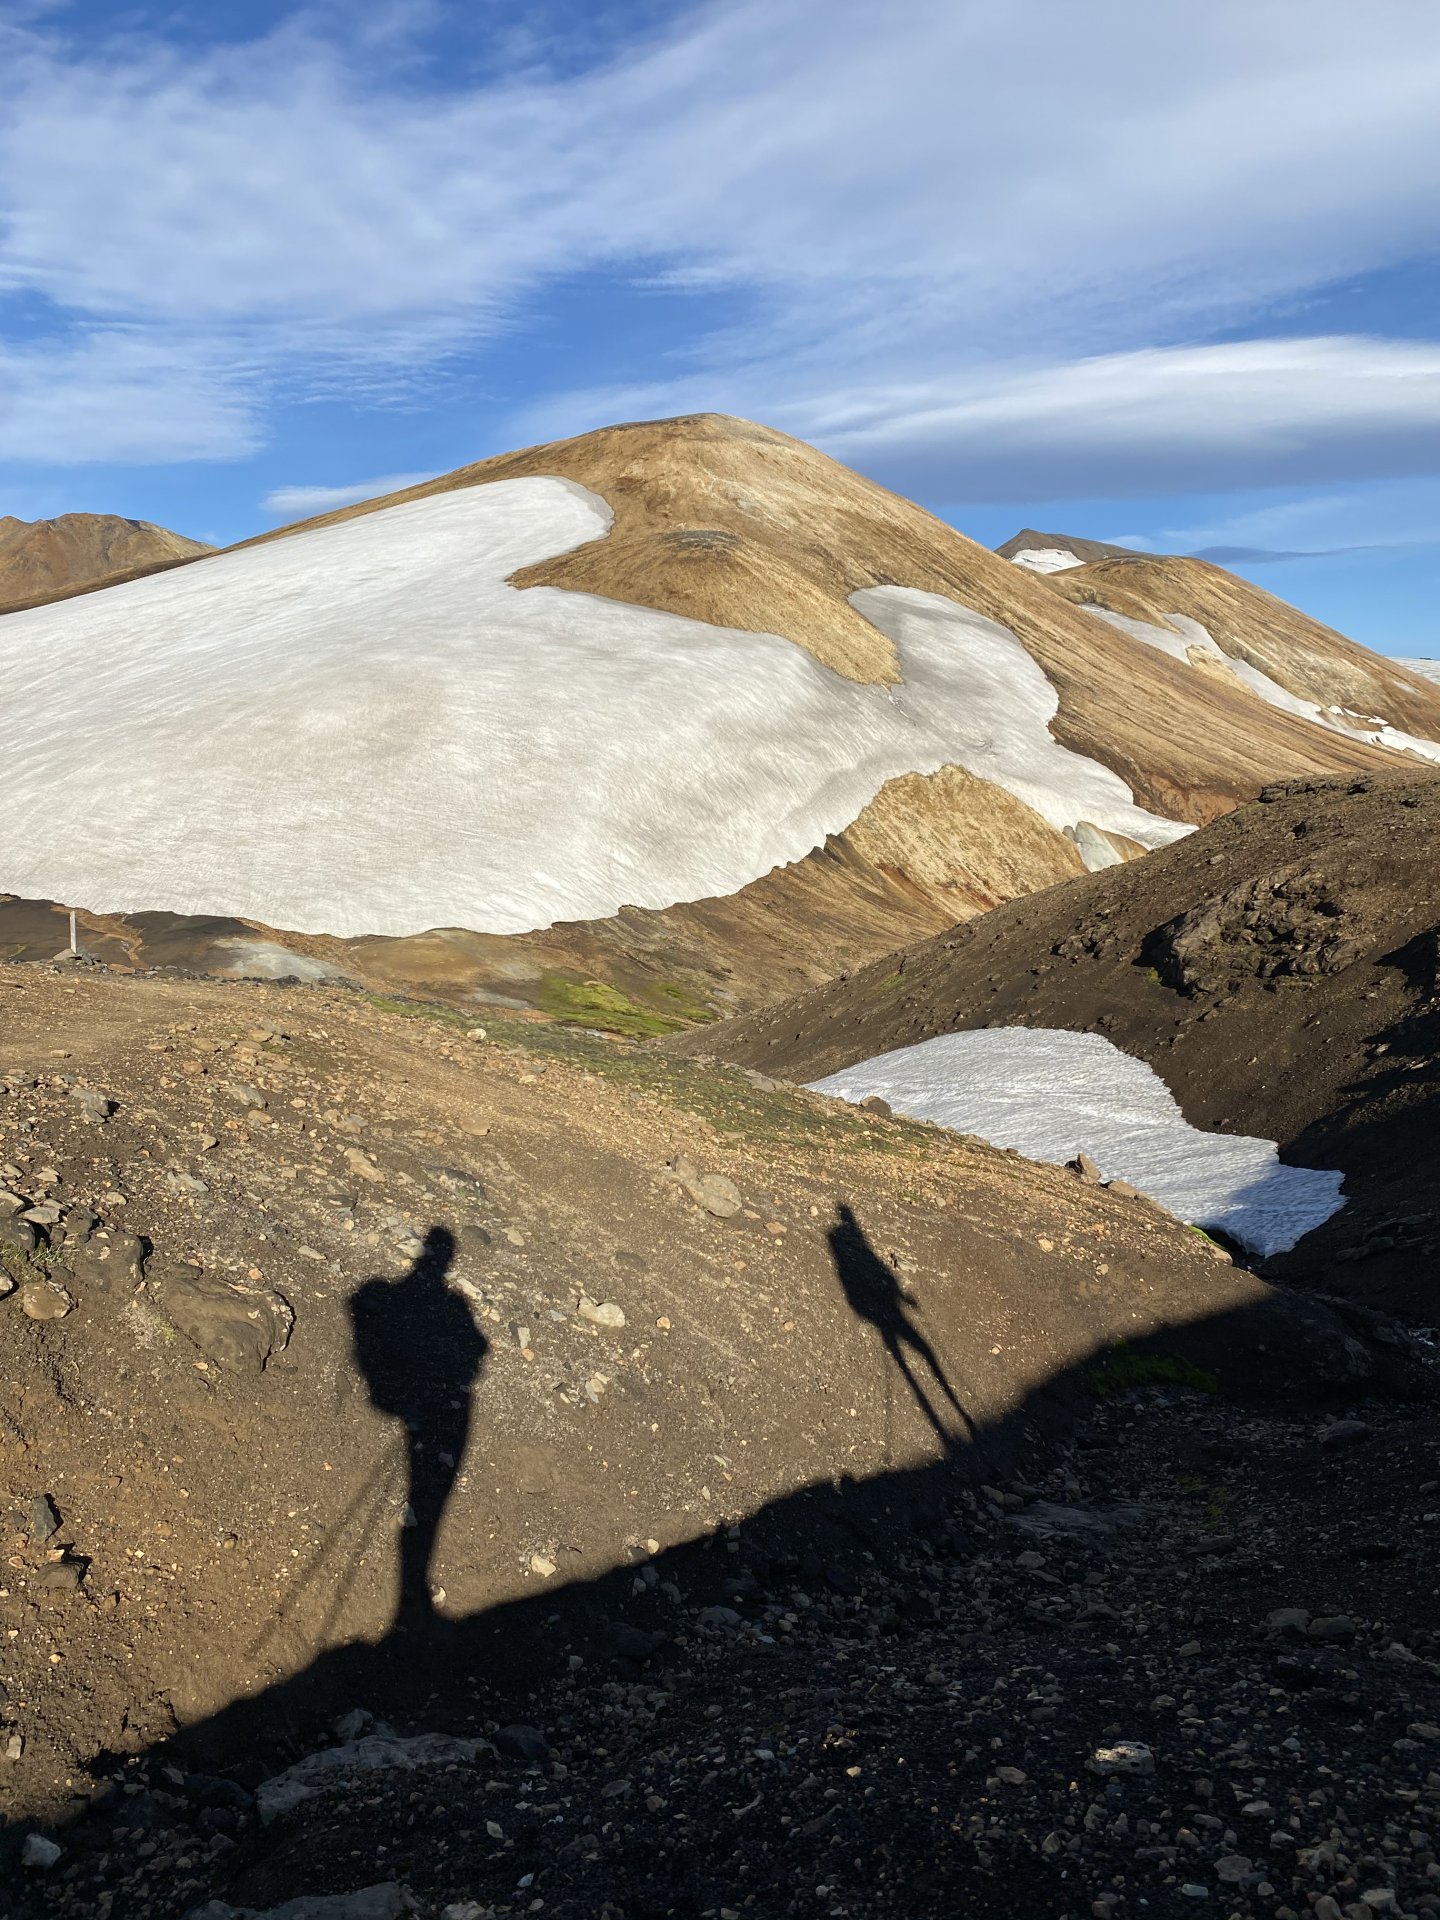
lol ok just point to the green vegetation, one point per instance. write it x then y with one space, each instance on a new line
592 1003
1122 1368
890 984
1217 1499
718 1094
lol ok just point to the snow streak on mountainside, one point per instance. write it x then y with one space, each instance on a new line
1193 644
363 729
1046 559
1051 1094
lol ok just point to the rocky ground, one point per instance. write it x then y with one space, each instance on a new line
688 1387
1192 1668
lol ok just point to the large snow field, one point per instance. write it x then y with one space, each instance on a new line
1051 1094
1427 669
363 729
1373 729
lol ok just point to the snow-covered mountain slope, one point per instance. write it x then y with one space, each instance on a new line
1270 646
43 560
1188 640
1427 669
366 729
1051 1095
643 667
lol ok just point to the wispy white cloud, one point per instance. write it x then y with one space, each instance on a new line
298 503
914 198
112 393
1382 515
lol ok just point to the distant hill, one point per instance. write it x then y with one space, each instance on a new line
1054 552
43 560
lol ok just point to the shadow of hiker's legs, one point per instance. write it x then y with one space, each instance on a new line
435 1454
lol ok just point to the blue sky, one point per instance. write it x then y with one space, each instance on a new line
1160 274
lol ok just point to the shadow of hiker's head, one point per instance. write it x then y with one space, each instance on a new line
434 1259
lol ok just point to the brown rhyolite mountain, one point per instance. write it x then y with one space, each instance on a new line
732 523
42 560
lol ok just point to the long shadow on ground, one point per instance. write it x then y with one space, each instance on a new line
432 1673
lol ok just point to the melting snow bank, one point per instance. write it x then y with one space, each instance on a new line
363 728
1192 638
1051 1094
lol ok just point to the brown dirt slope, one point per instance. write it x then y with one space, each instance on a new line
210 1174
44 560
1280 971
730 522
1307 658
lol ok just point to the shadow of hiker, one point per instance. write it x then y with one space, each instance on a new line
873 1292
421 1353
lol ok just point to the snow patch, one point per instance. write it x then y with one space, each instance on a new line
1427 669
1051 1094
1046 559
1193 637
363 728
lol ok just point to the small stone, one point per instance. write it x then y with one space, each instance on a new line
540 1565
1087 1169
184 1185
39 1853
1123 1190
523 1742
45 1300
601 1313
1126 1756
475 1033
874 1103
44 1518
1234 1868
59 1576
95 1107
1287 1620
15 1746
712 1191
1192 1890
1345 1433
1012 1776
1332 1626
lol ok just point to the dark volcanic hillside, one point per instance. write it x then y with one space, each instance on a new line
1278 970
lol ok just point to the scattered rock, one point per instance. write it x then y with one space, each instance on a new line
236 1325
1126 1756
374 1754
713 1191
39 1853
387 1901
45 1300
521 1741
44 1519
601 1313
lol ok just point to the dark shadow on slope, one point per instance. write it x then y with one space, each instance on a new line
421 1353
874 1294
456 1675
